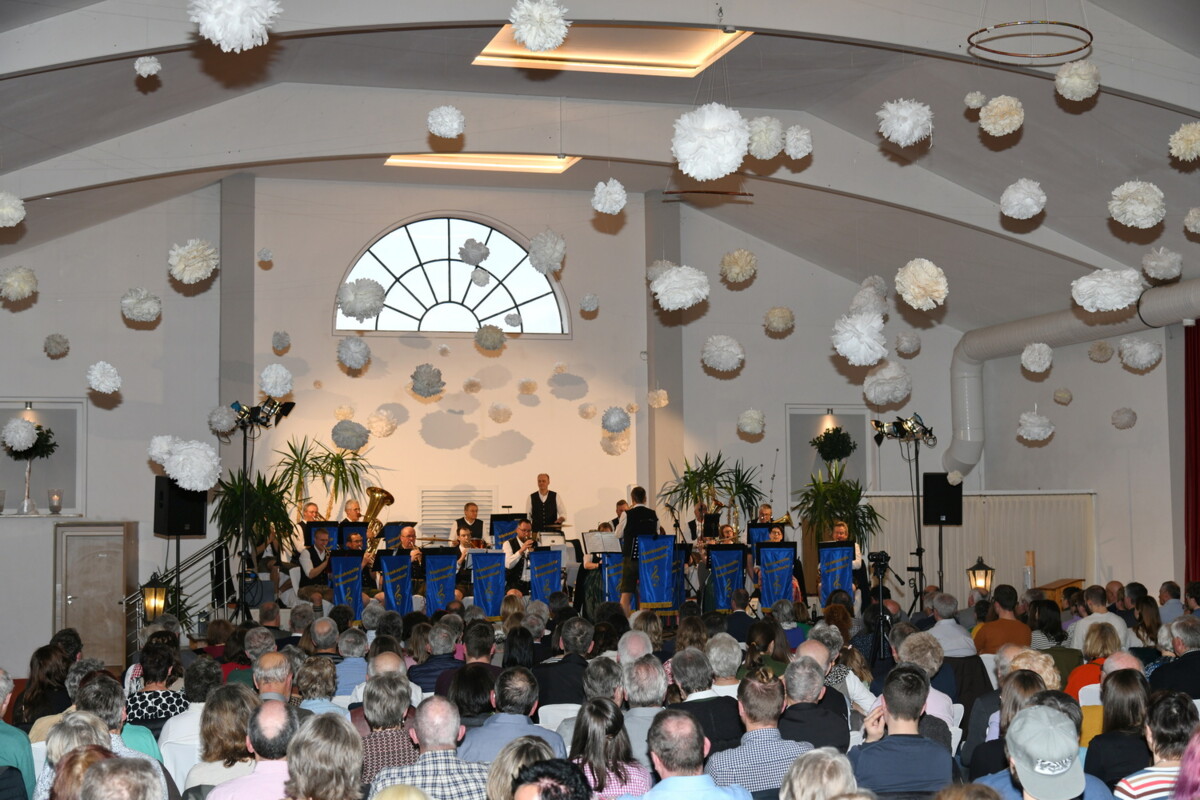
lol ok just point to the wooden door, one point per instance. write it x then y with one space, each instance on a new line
92 577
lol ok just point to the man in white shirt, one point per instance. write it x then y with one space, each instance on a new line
1097 603
955 640
545 508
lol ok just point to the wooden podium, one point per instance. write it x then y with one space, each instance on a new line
1054 589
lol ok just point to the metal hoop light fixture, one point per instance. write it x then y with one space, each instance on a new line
972 40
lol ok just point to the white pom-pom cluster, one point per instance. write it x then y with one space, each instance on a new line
546 252
922 284
17 283
527 386
1063 396
19 434
1037 357
350 435
907 343
1023 199
1100 351
710 142
102 377
859 338
1139 354
193 465
446 122
797 142
739 266
473 253
192 262
905 122
1191 222
361 299
589 303
680 287
56 345
1162 264
657 268
1107 289
512 320
234 25
147 66
540 25
632 408
869 299
160 447
1124 418
138 305
353 352
1077 80
614 444
480 276
265 255
427 381
752 422
587 410
1034 427
1184 143
722 353
887 384
222 419
609 197
975 100
954 477
280 341
766 137
12 210
1001 116
472 385
614 419
779 319
343 412
499 413
489 337
275 380
382 423
443 349
658 398
1138 204
559 367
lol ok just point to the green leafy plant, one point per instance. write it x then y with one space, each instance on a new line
834 445
826 500
741 486
307 462
710 480
266 510
300 464
43 446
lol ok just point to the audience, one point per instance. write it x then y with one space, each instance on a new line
438 770
1005 628
1016 693
804 719
72 767
223 726
317 682
441 658
1121 747
553 779
199 681
717 714
154 703
385 704
271 729
601 679
1183 673
1101 642
1096 599
820 774
725 657
352 669
102 695
45 689
512 758
15 750
515 700
324 760
600 746
562 680
1170 720
1170 606
677 750
645 687
120 779
75 729
738 623
763 758
471 693
956 642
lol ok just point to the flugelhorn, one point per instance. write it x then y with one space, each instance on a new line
378 499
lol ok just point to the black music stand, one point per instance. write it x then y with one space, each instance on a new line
312 527
494 518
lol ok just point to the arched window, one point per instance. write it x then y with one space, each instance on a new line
429 288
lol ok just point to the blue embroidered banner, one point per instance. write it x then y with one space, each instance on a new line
346 579
656 559
502 531
726 568
545 574
835 561
610 570
440 571
391 535
397 582
775 566
487 571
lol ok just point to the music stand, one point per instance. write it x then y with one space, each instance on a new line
723 547
757 532
601 542
391 533
502 527
347 528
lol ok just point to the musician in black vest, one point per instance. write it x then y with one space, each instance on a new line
638 520
516 557
545 508
314 564
470 520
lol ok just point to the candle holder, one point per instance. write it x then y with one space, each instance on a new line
55 497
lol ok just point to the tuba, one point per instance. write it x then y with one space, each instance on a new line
378 500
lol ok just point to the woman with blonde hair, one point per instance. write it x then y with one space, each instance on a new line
1041 663
223 727
818 775
648 623
516 754
1100 643
75 729
324 760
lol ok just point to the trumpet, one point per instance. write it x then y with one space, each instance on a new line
378 500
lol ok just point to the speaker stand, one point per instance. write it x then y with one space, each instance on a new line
941 559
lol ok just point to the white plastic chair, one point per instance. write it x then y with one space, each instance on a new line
855 738
955 739
989 663
551 716
1090 695
39 756
956 714
343 700
178 758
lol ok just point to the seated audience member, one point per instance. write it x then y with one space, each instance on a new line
1183 673
645 687
71 769
1093 715
901 761
725 657
987 705
45 690
438 771
154 703
471 693
804 719
1144 632
78 671
1170 719
1016 693
600 745
199 681
562 681
633 645
1006 628
554 779
763 758
102 695
1121 748
121 779
1170 605
648 623
765 647
386 659
677 749
271 728
256 643
825 645
821 774
15 750
479 647
223 726
956 641
601 679
352 669
717 714
302 615
316 682
1045 620
514 756
324 633
74 730
925 651
1101 642
385 703
1043 760
738 623
441 658
1095 598
324 759
515 700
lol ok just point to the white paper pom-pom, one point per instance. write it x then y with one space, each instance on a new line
350 435
512 320
527 386
615 419
499 413
192 262
473 253
1139 353
589 303
343 412
19 434
1191 222
1162 264
559 367
1138 204
1037 357
353 352
546 252
472 385
480 276
427 381
614 444
752 422
160 447
954 477
489 337
17 283
1100 352
56 345
797 142
632 408
1063 396
710 142
1184 143
1077 80
905 122
875 283
587 410
280 341
739 266
680 287
1034 427
868 301
138 305
766 137
540 25
922 284
361 299
193 465
656 269
975 100
12 210
1001 116
222 419
1023 199
779 319
265 255
446 122
275 380
887 383
443 349
1124 418
609 197
234 25
658 398
907 343
102 377
722 353
382 423
147 66
859 338
1107 289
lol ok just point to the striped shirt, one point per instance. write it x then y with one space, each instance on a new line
1153 783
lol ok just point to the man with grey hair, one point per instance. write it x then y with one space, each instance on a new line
966 616
258 642
805 719
537 616
103 696
371 614
324 633
438 771
645 683
602 678
824 645
387 663
633 645
725 657
352 670
562 682
298 621
441 658
718 715
14 744
987 705
78 671
1182 674
955 641
121 778
515 701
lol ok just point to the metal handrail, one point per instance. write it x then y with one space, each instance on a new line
169 576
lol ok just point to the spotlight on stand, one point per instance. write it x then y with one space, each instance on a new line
912 429
264 416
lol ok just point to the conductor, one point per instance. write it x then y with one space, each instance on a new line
638 520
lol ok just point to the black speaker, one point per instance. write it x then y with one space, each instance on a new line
943 502
178 512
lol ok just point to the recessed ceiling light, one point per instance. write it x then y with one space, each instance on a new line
496 162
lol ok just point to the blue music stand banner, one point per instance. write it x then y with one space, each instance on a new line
397 582
502 531
440 571
391 535
611 567
758 532
776 563
656 562
346 580
726 565
836 563
545 574
487 573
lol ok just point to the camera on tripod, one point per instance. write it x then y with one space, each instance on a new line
879 561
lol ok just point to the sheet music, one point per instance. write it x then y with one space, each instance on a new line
601 542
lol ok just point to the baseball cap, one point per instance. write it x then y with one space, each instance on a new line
1044 747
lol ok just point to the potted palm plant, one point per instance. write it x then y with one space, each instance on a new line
830 496
709 479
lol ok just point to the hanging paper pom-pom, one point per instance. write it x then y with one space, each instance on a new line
875 283
499 413
382 423
473 253
19 434
1100 352
472 385
1034 427
1191 222
527 386
17 283
887 383
275 380
587 410
859 338
1107 289
710 142
350 435
907 343
427 381
589 303
280 341
954 477
680 287
192 262
632 408
540 25
614 444
1139 354
722 353
361 299
354 352
615 419
160 447
147 66
102 377
1063 396
868 301
559 367
658 398
1023 199
656 269
1077 80
610 197
797 142
512 320
193 465
489 337
546 252
1037 357
905 122
446 122
1001 116
56 345
265 255
1162 264
752 422
1184 143
343 412
1138 204
12 210
1124 418
766 137
739 266
779 319
480 276
234 25
922 284
975 100
443 349
222 419
138 305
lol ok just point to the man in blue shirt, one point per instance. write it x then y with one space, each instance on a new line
1043 760
677 751
515 699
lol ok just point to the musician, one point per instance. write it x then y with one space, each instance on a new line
544 507
408 543
463 580
314 564
728 535
370 583
622 506
638 520
471 521
862 583
352 511
516 557
310 513
765 513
